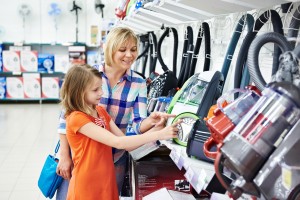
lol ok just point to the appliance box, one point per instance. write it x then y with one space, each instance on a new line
2 87
46 63
153 172
50 87
32 85
29 61
11 61
14 87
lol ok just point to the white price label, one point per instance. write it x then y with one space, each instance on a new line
201 181
189 174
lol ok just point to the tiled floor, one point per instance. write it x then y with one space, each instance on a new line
27 136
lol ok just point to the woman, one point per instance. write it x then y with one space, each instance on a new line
124 98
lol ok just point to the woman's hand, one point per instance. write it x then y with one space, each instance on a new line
159 118
65 166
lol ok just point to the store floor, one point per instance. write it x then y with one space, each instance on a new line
27 136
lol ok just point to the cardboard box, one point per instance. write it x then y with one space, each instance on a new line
1 58
46 63
77 55
29 61
165 194
61 63
11 61
2 87
93 58
32 85
156 171
50 87
94 35
14 87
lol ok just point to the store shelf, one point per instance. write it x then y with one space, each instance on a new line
29 100
46 74
176 12
198 173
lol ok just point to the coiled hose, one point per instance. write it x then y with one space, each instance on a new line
241 71
253 54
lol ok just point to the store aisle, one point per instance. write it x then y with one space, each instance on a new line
27 136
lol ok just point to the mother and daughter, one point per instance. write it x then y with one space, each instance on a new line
98 105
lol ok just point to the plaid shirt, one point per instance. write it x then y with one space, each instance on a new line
126 102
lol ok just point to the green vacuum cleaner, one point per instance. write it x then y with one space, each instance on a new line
199 92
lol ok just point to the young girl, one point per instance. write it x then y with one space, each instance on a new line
91 133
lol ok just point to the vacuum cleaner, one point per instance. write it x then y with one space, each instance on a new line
225 119
261 153
199 92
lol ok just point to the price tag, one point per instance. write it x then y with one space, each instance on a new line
16 73
175 156
189 174
201 181
180 162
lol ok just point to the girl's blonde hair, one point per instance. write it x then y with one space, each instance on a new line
76 81
114 39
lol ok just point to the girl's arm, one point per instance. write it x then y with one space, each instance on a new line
124 142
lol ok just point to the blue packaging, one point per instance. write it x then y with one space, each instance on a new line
46 63
2 87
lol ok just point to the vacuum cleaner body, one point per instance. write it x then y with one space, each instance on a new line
253 149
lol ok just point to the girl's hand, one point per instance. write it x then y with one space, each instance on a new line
159 118
169 132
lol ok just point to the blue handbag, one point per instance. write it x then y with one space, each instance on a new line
49 181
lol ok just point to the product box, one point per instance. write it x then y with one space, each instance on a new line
165 194
2 87
14 87
77 55
46 63
156 171
50 87
32 85
93 58
94 35
1 58
61 63
11 61
29 61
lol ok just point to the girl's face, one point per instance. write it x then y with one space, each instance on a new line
125 55
94 92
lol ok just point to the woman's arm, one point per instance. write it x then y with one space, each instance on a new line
65 163
124 142
155 119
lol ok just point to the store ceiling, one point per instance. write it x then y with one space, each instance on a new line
172 12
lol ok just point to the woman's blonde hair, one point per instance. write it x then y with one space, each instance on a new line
114 39
77 80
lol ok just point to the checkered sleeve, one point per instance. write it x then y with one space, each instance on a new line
140 108
62 123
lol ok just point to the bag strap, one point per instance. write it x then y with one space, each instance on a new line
56 148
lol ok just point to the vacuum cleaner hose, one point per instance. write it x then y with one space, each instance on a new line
253 54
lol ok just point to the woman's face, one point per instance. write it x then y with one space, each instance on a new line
125 55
